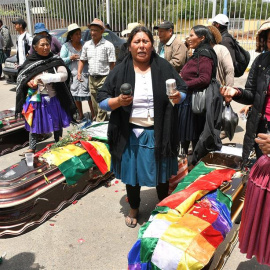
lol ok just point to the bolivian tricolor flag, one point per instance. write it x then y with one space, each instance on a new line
184 231
73 161
99 153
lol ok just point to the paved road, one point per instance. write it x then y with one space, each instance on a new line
90 234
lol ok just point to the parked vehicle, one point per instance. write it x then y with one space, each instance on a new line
10 71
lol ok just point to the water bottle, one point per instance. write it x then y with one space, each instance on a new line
243 117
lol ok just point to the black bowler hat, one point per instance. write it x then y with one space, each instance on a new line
164 25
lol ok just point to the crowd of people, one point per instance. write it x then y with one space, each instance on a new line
148 125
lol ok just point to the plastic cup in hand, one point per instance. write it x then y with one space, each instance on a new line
29 157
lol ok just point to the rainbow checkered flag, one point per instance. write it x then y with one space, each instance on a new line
186 228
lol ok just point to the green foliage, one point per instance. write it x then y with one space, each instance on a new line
145 11
10 13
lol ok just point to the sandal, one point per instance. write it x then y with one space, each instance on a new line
81 120
130 221
27 151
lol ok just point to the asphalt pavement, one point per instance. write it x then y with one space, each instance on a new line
90 234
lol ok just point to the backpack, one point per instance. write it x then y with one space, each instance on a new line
242 58
8 41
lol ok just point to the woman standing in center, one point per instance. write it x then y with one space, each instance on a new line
143 126
197 74
70 53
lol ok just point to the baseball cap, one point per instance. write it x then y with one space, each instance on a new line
130 27
19 21
221 19
98 22
40 27
164 25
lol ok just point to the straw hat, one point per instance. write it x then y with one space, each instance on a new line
260 36
130 27
215 32
73 26
98 22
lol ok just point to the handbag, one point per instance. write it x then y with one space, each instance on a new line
199 102
198 98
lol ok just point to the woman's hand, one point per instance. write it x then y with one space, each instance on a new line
245 109
228 93
175 97
119 101
79 77
263 140
32 84
124 100
74 57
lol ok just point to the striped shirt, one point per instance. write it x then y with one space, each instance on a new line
98 56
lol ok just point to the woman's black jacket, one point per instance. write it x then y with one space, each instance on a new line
255 93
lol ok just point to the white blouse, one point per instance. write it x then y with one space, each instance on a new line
142 112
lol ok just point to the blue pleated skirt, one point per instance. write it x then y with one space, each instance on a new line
138 164
48 116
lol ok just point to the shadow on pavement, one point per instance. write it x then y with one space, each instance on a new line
149 200
239 129
13 89
22 261
252 265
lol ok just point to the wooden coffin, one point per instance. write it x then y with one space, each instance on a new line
31 195
13 136
236 189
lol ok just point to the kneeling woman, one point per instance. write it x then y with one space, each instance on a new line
143 126
42 95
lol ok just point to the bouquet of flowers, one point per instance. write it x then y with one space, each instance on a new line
72 136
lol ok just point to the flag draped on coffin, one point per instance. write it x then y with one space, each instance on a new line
73 160
186 228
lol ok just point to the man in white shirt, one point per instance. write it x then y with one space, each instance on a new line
100 54
24 40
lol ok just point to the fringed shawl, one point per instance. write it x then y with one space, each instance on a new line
31 69
165 115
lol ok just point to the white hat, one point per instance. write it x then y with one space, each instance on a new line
221 19
73 26
130 27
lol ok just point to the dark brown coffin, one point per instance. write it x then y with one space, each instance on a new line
31 195
13 135
236 189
